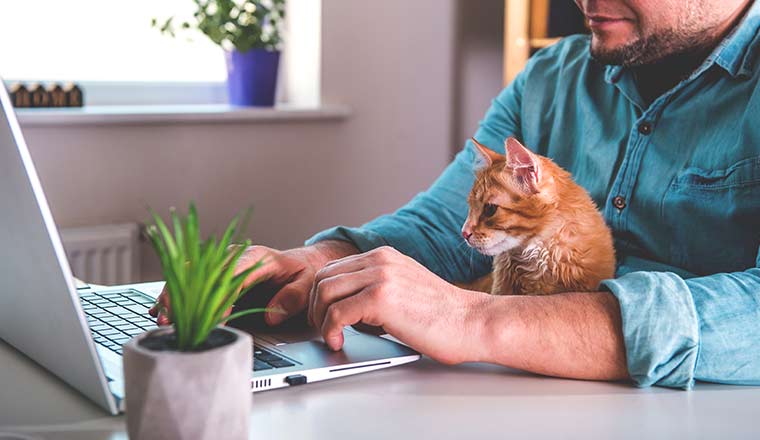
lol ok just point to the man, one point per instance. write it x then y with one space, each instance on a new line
656 115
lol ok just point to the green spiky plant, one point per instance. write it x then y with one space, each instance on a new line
200 275
242 24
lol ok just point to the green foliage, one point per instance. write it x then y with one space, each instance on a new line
242 24
200 275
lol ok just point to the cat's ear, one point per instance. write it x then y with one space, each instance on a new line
525 166
486 156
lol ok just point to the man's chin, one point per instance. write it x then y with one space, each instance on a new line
639 51
613 54
606 56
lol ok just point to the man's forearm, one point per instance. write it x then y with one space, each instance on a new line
574 335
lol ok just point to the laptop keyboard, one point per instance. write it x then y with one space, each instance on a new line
266 360
117 317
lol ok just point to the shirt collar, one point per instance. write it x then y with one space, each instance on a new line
736 53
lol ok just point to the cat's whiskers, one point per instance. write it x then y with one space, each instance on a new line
469 250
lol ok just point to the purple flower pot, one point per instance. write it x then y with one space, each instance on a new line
252 77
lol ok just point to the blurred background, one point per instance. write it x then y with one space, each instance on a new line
374 99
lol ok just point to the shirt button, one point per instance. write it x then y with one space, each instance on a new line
618 202
645 128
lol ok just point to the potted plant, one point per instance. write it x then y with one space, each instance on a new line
192 379
250 33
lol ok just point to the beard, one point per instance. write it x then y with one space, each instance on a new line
650 49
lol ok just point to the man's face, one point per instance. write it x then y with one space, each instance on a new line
639 32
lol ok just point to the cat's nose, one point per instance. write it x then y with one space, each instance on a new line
466 234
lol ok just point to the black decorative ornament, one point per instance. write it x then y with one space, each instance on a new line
40 97
57 95
74 95
20 96
54 95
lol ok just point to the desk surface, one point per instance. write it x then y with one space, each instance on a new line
423 399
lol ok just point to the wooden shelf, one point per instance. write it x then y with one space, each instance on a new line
539 43
516 37
525 28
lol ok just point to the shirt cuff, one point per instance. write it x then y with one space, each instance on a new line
660 328
362 239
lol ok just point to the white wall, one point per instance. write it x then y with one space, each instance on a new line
390 61
478 67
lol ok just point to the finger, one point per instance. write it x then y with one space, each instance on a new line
350 264
349 311
161 302
276 267
288 301
330 290
163 320
226 313
373 257
160 310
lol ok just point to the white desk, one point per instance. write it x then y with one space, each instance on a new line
419 400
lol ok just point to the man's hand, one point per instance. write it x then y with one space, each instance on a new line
386 288
293 270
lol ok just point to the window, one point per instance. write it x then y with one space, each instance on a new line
111 48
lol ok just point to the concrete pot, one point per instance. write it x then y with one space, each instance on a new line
189 395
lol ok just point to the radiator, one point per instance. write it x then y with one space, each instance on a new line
106 254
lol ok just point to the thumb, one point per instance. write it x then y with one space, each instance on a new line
289 301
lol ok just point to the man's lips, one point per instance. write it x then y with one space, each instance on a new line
601 22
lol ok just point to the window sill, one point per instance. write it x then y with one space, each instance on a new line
174 114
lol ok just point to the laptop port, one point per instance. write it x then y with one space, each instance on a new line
295 379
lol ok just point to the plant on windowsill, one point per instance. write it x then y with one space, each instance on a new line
192 379
249 31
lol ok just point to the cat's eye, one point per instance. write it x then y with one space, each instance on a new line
489 210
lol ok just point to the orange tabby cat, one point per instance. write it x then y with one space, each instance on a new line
543 229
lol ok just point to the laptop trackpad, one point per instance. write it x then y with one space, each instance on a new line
275 337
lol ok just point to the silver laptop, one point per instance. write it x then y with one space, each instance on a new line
77 333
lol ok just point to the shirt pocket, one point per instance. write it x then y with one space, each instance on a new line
714 217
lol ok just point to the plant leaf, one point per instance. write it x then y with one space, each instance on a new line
246 312
201 279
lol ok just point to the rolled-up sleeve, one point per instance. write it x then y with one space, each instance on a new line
678 331
428 227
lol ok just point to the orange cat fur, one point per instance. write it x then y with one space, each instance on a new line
543 229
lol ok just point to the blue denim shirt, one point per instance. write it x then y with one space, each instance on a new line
686 166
